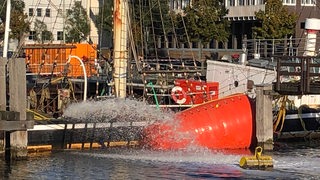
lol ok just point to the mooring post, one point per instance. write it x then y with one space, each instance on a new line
264 119
3 96
18 102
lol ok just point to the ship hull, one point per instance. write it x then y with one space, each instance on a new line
225 123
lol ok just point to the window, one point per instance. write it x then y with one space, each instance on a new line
39 10
179 4
289 2
30 11
308 2
260 2
59 35
46 35
250 2
59 11
241 2
32 35
231 2
47 13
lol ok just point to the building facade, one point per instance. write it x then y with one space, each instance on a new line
52 14
241 14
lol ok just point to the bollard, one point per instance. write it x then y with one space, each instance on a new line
258 161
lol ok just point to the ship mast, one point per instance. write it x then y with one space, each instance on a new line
7 30
120 51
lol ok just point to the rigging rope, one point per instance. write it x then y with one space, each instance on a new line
45 96
33 98
281 115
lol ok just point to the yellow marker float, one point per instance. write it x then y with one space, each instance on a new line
257 161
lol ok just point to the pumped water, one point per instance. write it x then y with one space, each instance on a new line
125 110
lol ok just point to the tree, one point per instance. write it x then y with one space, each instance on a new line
204 21
276 21
104 18
77 24
19 24
41 32
104 22
151 19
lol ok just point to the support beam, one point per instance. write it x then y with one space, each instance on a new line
16 125
3 95
18 103
264 121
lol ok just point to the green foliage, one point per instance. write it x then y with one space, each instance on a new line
104 18
41 32
77 24
150 19
156 17
19 24
276 21
204 21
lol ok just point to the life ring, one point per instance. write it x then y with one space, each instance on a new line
175 97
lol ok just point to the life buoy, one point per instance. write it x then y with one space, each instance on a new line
174 95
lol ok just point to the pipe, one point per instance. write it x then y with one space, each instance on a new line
154 94
84 74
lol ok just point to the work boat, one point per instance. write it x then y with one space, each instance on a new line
225 123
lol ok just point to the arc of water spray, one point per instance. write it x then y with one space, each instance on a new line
84 74
154 94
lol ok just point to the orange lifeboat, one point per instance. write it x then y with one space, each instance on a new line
225 123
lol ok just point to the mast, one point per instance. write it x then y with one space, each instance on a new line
120 51
63 21
7 30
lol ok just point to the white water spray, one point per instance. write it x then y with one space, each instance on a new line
115 110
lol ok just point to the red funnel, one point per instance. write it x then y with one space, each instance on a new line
219 124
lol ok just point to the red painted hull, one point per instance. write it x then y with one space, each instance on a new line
219 124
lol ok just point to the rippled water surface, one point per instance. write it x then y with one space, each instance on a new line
289 163
195 163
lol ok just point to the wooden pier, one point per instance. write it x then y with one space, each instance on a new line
65 134
264 117
14 121
296 75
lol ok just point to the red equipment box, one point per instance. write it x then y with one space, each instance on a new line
189 91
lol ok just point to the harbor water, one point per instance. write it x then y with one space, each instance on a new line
125 163
290 161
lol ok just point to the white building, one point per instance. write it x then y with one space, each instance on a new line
52 14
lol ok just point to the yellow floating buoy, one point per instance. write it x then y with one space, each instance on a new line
257 161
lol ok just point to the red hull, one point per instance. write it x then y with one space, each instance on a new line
219 124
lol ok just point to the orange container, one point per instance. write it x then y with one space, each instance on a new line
45 59
225 123
195 91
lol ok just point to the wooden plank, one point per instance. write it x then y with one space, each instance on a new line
298 134
293 64
264 121
15 125
18 102
289 73
9 115
3 94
